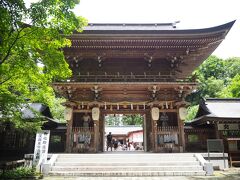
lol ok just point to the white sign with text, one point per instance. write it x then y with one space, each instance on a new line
41 147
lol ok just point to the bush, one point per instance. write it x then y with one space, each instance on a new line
18 173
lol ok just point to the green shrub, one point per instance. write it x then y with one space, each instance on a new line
18 173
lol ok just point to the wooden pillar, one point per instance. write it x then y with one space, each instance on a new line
101 133
149 132
69 119
216 130
145 143
154 118
181 132
155 136
182 136
96 135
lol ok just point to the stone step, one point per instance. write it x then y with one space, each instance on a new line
117 159
129 163
126 155
127 168
126 173
124 159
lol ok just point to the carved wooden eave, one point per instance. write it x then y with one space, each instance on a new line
116 92
184 49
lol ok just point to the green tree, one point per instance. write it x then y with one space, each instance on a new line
213 76
234 87
113 120
211 67
133 119
191 112
232 67
31 55
217 78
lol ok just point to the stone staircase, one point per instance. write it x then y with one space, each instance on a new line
126 165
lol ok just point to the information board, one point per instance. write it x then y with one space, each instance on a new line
215 145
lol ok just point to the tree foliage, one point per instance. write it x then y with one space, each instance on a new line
192 112
113 120
133 119
217 78
124 120
31 56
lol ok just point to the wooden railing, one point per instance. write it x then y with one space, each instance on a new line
82 129
168 129
168 139
126 78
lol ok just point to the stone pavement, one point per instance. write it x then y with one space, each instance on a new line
230 174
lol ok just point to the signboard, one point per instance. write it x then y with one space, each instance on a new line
215 145
41 147
226 126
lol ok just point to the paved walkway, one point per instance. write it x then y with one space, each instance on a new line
231 174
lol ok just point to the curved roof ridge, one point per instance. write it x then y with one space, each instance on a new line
149 27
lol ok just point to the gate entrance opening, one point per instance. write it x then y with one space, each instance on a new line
127 132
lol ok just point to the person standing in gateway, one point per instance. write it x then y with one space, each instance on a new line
109 141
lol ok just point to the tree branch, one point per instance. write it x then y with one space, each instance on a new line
6 80
10 48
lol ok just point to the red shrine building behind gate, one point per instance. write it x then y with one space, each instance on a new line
133 69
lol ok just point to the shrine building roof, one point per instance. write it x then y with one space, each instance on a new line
216 109
145 28
181 49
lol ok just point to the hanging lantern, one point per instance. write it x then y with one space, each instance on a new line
182 113
137 107
68 113
95 113
155 113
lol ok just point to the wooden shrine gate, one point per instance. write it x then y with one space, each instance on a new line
133 68
162 135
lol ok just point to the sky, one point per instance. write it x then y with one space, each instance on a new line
191 14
